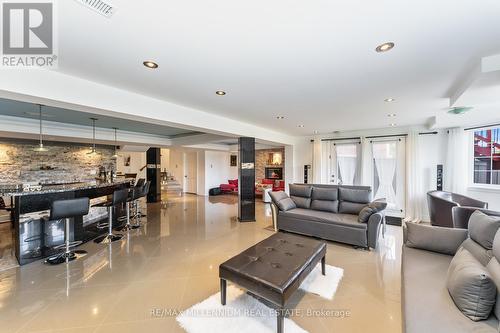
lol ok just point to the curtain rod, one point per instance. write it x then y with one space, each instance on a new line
478 127
428 133
385 136
340 139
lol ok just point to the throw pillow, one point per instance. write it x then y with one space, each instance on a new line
435 239
286 204
471 286
373 207
482 228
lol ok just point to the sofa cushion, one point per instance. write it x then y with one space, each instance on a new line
278 196
324 217
427 305
331 194
494 270
471 286
372 208
480 253
347 207
325 205
482 228
436 239
286 204
301 195
297 190
301 202
362 196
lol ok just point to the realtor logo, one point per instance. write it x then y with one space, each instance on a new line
28 34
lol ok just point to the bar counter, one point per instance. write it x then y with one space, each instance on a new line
36 236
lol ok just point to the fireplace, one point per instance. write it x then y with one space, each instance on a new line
274 173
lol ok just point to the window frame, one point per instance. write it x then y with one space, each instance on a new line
472 183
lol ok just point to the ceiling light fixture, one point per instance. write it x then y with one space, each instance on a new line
93 150
220 92
280 117
388 100
458 110
115 155
40 144
316 131
150 64
385 47
393 125
391 115
301 126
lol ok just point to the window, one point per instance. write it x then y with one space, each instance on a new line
487 156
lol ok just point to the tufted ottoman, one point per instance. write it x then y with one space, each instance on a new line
273 269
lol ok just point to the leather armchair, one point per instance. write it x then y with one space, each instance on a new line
461 215
441 204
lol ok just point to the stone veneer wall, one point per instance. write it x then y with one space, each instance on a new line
261 157
70 162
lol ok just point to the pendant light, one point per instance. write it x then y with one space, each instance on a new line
40 147
93 150
115 155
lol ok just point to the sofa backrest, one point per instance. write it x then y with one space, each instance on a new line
344 199
301 195
493 268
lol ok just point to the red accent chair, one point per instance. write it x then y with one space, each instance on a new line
279 186
231 186
267 182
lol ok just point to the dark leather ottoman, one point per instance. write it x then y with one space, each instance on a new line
273 269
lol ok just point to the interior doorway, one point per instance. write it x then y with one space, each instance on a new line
190 172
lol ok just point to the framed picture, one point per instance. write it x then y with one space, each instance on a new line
234 161
126 160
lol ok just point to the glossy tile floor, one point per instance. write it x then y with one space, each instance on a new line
172 263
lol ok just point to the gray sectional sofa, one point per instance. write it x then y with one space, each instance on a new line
343 214
433 293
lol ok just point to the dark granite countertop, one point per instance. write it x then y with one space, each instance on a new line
63 188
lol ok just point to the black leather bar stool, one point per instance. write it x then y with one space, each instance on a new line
145 190
119 197
67 209
133 196
140 182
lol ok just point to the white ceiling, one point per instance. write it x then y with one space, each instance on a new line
311 61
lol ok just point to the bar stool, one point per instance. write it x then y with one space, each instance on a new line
67 209
119 197
134 195
145 190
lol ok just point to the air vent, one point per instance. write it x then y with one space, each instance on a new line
98 6
459 110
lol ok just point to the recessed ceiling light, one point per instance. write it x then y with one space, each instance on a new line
385 47
393 125
316 131
150 64
391 115
388 100
220 92
301 126
280 117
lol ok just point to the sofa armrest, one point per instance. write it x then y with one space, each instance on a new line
373 224
275 211
461 215
436 239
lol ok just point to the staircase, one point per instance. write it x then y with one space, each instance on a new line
170 185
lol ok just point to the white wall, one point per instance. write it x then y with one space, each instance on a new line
176 158
165 159
201 188
137 161
217 169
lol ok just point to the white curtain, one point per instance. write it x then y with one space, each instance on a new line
415 198
347 161
384 154
456 166
367 163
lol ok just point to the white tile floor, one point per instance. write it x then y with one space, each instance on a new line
172 262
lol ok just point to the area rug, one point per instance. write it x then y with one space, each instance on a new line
244 313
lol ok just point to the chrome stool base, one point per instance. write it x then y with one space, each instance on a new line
65 257
106 239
